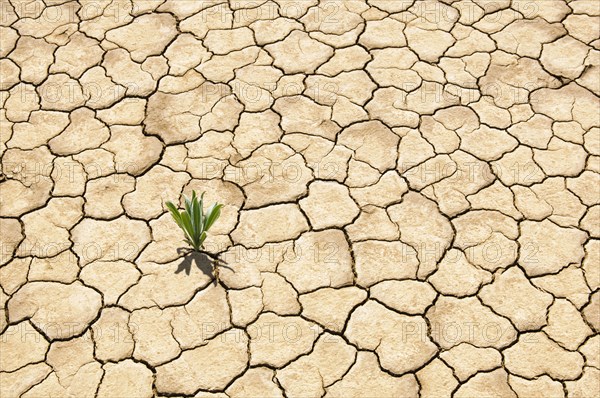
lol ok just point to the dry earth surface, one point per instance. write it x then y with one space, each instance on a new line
411 195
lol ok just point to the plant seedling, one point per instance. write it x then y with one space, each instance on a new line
193 220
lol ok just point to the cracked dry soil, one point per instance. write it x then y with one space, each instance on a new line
411 190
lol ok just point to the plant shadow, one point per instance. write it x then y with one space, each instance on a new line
205 262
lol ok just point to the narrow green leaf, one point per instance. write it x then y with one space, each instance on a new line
187 225
201 204
197 215
174 213
213 214
202 238
188 209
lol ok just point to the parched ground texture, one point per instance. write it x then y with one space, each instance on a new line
411 190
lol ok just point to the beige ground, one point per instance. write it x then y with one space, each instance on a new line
411 198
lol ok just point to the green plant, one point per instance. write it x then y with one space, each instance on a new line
193 220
